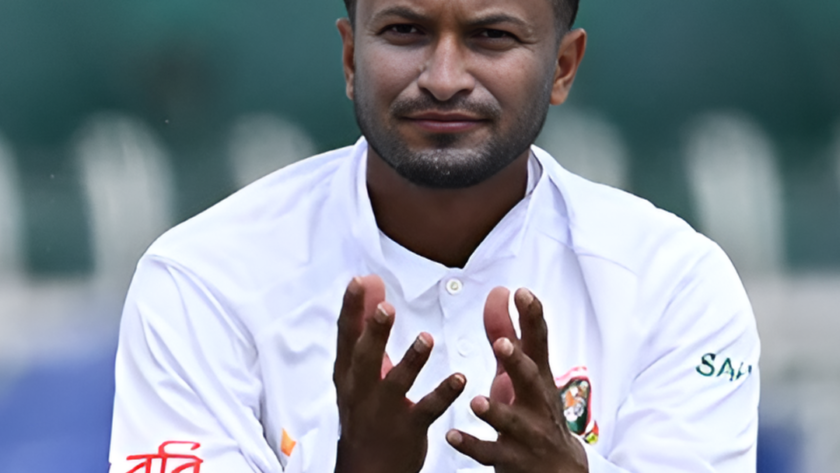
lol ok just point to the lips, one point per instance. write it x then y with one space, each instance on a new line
440 122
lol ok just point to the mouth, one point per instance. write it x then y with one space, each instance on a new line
446 122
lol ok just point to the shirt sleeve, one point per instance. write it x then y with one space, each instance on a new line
188 387
693 406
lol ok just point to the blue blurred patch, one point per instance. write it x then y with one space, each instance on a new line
57 417
779 448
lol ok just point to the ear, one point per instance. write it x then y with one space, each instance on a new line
348 53
570 54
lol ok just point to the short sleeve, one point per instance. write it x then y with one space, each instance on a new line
188 387
693 405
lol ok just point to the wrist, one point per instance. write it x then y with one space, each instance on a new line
351 459
579 456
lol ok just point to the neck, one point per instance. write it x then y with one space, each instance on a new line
443 225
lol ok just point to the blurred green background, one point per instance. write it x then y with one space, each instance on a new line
187 68
716 110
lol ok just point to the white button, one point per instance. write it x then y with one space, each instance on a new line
454 286
465 347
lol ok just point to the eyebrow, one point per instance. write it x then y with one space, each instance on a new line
412 15
399 11
496 18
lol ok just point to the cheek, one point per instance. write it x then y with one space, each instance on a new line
514 80
386 73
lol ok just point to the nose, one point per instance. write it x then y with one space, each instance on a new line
445 73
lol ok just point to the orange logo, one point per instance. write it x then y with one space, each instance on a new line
287 444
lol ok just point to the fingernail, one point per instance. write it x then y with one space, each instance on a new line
355 286
421 345
480 405
458 381
529 296
381 316
526 296
454 437
505 347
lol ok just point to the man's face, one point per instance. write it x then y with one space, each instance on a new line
449 92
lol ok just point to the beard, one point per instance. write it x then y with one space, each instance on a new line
445 165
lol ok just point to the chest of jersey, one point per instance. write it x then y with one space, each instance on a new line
297 351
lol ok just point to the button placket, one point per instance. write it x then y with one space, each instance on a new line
454 286
465 347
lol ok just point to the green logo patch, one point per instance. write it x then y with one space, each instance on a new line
714 366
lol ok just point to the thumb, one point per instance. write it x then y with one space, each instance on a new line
374 290
502 389
387 365
374 295
497 323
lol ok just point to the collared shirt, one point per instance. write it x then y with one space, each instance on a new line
227 342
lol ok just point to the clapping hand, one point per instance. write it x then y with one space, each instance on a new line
381 430
523 405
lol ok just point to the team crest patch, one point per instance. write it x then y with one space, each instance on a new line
575 391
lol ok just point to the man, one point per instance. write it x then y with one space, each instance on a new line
244 349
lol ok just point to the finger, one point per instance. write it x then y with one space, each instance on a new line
482 451
523 372
503 418
434 404
401 377
534 329
349 327
368 353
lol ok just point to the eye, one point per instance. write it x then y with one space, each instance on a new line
403 34
495 34
402 29
495 39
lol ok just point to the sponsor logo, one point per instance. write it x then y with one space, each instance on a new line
575 391
714 366
172 457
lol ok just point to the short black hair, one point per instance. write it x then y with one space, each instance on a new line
565 12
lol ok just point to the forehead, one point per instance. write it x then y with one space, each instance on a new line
538 14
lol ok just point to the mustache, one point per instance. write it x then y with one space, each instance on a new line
426 103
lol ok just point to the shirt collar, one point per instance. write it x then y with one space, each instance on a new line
415 274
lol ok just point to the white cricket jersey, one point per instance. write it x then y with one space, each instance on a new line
228 336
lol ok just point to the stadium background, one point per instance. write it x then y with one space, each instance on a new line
120 119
